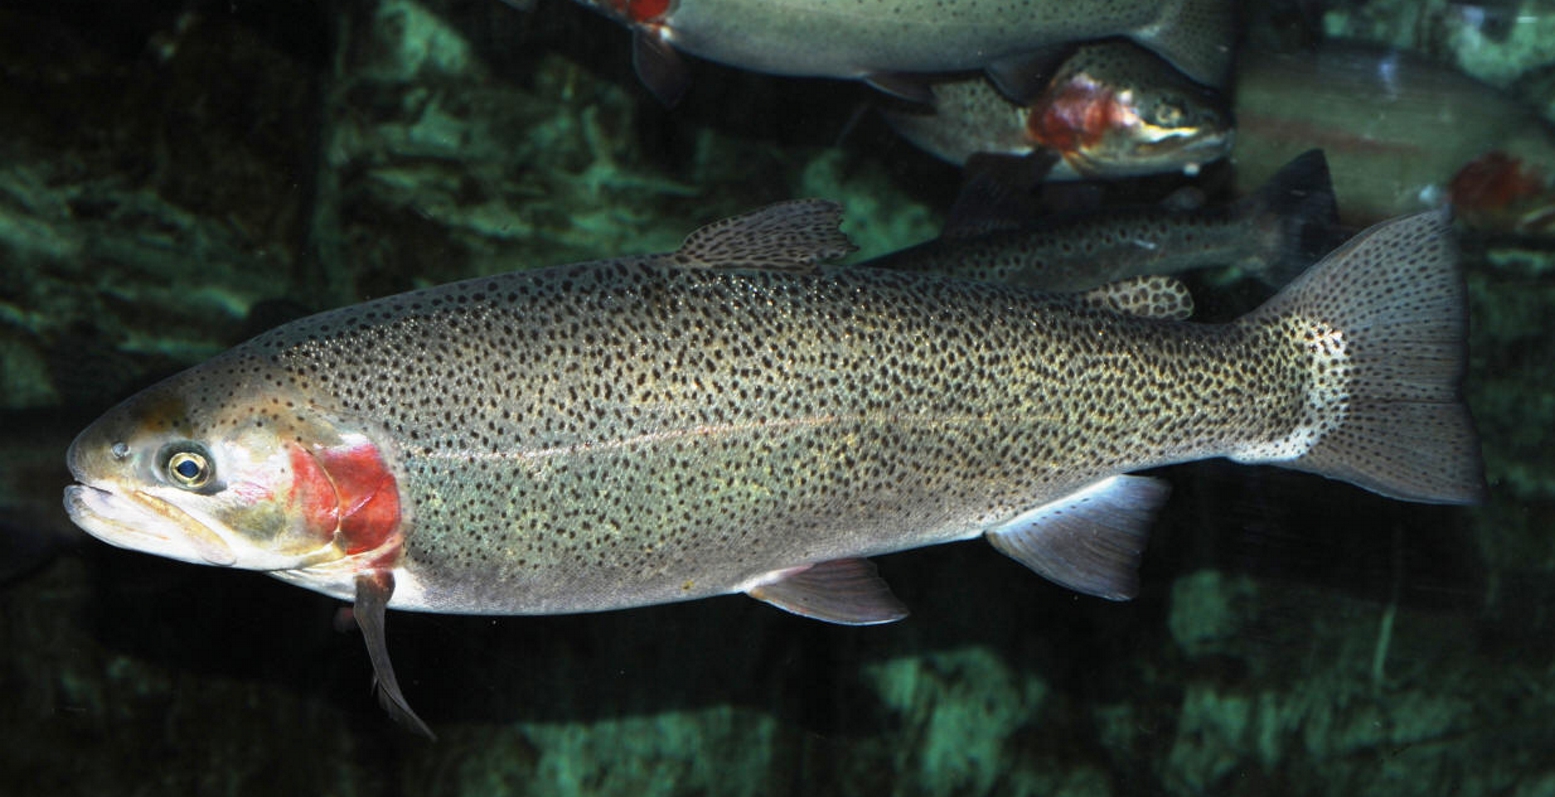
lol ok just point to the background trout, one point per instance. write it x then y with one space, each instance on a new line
1109 110
1379 115
892 44
729 418
1272 234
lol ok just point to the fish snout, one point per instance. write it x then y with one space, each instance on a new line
138 521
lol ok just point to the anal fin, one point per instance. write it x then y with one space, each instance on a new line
843 591
372 602
1089 540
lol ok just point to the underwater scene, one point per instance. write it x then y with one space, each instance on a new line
800 397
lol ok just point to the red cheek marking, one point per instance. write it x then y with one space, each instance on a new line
648 10
641 10
369 496
313 493
1074 117
348 495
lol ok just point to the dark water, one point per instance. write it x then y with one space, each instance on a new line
177 176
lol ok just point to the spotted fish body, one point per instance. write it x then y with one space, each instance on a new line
881 41
730 418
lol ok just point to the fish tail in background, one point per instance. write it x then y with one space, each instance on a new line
1195 36
1296 216
1382 324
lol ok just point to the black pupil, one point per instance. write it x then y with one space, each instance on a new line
187 469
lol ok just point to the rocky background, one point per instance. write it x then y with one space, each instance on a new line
175 176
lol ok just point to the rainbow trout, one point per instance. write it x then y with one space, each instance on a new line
893 44
1110 110
1272 234
733 418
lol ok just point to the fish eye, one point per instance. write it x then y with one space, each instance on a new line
1169 114
187 465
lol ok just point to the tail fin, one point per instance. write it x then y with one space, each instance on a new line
1386 318
1297 217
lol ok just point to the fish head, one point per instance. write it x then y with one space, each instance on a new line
217 466
1107 122
1178 128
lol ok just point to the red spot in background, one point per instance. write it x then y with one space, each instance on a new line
1493 181
1497 190
647 10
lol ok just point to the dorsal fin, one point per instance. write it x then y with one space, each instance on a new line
1022 78
1149 297
792 236
997 194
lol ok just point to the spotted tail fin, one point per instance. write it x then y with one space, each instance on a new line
1384 323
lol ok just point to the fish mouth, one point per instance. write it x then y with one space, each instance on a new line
139 521
1182 149
1183 143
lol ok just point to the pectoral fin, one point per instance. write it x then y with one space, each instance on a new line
1090 540
843 591
908 86
1022 78
373 589
659 67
